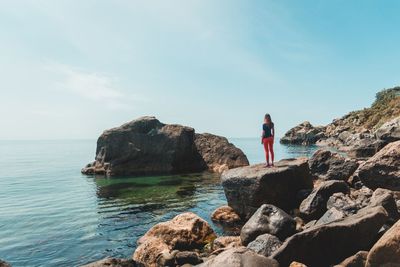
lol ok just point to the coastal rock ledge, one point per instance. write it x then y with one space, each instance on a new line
146 146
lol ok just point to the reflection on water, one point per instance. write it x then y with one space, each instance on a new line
51 215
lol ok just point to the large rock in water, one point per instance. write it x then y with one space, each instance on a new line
331 243
184 232
247 188
303 134
390 131
386 252
147 146
383 169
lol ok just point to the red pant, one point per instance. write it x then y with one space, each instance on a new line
269 148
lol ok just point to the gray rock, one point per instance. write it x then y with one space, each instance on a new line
327 165
385 198
364 148
383 169
333 214
147 146
344 203
390 131
265 244
111 262
303 134
329 244
247 188
314 206
239 257
268 219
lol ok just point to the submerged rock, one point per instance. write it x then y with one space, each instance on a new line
111 262
303 134
247 188
239 257
383 169
268 219
147 146
184 232
327 165
265 244
331 243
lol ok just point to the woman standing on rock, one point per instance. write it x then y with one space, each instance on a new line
267 139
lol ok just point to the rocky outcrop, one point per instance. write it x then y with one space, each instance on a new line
327 165
268 219
225 215
147 146
389 131
239 257
383 169
112 262
303 134
331 243
247 188
357 260
184 232
314 206
4 264
386 252
265 244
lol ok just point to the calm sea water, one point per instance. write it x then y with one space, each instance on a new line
51 215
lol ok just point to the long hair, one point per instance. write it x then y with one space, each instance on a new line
268 120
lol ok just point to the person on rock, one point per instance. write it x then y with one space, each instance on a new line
267 139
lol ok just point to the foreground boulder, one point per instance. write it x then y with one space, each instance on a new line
383 169
331 243
225 215
327 165
389 131
386 252
303 134
247 188
268 219
239 257
147 146
184 232
112 262
314 206
265 244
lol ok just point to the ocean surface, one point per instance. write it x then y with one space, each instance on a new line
52 215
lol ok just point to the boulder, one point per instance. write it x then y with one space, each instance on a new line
218 153
327 165
328 244
265 244
344 203
225 215
4 264
364 148
389 131
247 188
268 219
110 262
238 257
357 260
385 198
187 257
303 134
333 214
185 231
386 252
383 169
297 264
227 242
314 206
147 146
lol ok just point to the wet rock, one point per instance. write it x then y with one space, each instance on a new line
227 242
186 231
314 206
303 134
268 219
265 244
327 165
331 243
389 131
357 260
225 215
386 252
109 262
239 257
383 169
247 188
147 146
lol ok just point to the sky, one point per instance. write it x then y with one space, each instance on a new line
71 69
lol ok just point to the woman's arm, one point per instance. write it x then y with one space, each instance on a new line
262 135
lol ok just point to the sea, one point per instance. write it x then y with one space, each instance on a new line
52 215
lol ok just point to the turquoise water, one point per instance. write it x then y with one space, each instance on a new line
51 215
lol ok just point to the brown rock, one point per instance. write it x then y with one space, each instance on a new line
110 262
225 215
4 264
297 264
386 252
357 260
227 242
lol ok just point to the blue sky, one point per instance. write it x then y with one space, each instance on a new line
70 69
